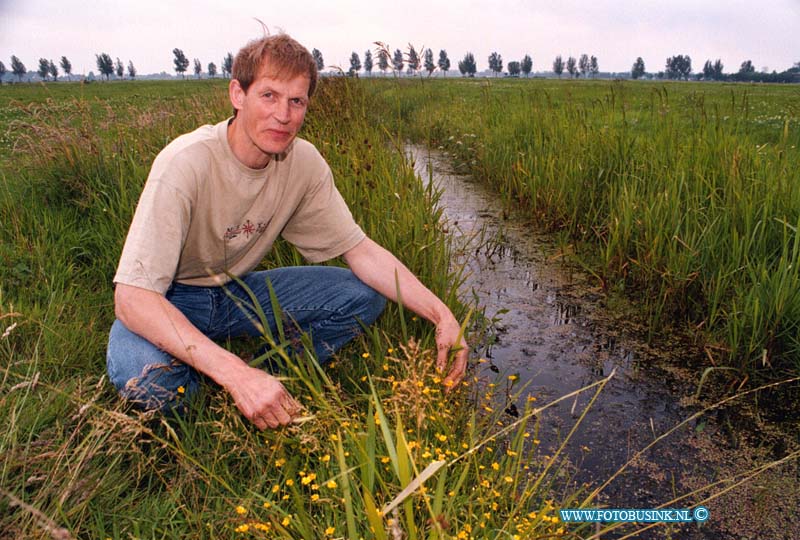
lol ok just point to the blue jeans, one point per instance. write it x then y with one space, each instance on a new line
329 303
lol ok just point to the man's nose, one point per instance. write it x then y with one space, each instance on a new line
282 113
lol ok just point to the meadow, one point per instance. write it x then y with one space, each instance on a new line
682 195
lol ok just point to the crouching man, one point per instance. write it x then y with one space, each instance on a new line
215 201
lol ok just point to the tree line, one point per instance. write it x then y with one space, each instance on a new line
413 61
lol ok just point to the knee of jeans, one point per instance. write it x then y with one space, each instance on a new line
164 387
370 304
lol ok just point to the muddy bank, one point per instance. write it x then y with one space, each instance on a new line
557 333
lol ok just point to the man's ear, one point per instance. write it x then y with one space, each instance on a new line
236 94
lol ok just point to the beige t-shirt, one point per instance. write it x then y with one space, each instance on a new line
203 212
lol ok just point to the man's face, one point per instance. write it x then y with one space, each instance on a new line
269 114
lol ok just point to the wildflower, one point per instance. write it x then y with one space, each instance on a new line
267 504
496 466
242 528
512 378
280 462
442 438
331 484
329 531
286 521
511 453
289 482
276 488
315 497
181 390
326 458
508 479
427 454
241 510
334 437
385 459
390 351
365 355
307 479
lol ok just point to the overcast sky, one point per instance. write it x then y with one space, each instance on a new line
615 31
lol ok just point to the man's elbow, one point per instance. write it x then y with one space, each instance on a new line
125 301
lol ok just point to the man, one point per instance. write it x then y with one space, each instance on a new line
214 202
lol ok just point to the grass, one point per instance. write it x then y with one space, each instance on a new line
683 196
76 462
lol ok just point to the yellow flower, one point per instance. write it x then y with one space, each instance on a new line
241 510
326 458
390 351
289 482
307 479
276 488
315 497
496 466
442 438
365 355
332 484
286 521
512 378
267 504
242 528
508 479
280 462
334 437
385 459
329 531
181 390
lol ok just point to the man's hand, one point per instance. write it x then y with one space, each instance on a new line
447 338
262 399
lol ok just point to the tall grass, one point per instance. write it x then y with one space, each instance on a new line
688 194
75 462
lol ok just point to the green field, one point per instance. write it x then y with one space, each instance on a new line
685 195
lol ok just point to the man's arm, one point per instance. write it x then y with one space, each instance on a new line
261 398
377 267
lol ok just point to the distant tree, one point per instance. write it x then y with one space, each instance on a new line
383 60
718 67
594 69
131 70
467 66
66 67
514 68
708 70
53 70
747 68
180 61
18 68
2 71
444 62
198 68
583 64
637 71
355 64
317 55
558 66
430 66
397 61
368 62
496 63
44 68
212 69
678 67
572 66
227 65
413 61
119 68
105 65
526 65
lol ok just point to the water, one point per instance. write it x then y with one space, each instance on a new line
558 335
